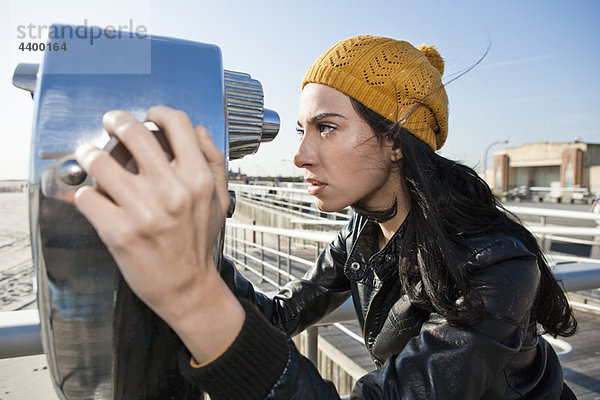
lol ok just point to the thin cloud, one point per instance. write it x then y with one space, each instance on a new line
575 118
509 63
536 98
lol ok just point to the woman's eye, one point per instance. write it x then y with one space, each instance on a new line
324 128
300 132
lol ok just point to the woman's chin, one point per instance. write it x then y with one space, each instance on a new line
328 206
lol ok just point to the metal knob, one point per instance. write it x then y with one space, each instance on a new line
249 123
71 173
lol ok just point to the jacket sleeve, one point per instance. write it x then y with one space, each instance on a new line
442 361
262 363
304 301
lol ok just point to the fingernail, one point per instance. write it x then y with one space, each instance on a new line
108 117
85 154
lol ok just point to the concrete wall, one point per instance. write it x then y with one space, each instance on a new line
263 215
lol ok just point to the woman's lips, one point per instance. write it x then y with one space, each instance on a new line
315 186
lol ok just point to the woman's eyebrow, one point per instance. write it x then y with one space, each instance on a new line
321 116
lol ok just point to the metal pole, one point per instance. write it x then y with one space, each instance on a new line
312 350
545 246
234 243
262 256
279 260
245 249
231 243
289 264
485 155
20 334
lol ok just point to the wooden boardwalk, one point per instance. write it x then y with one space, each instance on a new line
582 369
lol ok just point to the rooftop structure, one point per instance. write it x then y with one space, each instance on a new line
566 165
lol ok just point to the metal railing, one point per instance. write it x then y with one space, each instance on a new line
291 201
298 203
20 334
563 234
544 232
253 255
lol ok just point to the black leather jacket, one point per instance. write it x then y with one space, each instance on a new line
418 354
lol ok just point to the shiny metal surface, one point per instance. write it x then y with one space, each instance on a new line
20 334
248 122
71 173
232 203
270 125
25 77
100 340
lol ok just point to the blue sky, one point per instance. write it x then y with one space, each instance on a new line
539 81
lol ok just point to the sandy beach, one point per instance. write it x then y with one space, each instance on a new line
24 377
16 263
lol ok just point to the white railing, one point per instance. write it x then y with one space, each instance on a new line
564 189
563 234
291 201
542 230
20 334
550 212
251 256
297 202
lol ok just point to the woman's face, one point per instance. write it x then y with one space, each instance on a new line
343 160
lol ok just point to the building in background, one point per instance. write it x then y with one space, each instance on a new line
562 169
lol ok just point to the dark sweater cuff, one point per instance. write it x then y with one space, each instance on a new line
250 367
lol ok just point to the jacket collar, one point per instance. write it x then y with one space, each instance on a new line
381 261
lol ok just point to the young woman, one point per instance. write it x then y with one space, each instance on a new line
449 290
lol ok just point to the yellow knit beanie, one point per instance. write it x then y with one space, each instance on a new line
391 77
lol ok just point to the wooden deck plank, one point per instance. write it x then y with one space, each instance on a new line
582 369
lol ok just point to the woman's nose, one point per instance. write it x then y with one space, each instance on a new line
305 155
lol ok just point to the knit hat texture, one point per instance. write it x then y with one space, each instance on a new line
391 77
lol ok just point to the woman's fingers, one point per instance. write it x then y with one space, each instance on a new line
103 214
213 155
198 163
142 145
179 131
162 226
109 175
216 162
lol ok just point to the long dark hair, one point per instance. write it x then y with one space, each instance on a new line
449 204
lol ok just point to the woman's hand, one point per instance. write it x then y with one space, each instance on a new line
162 223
